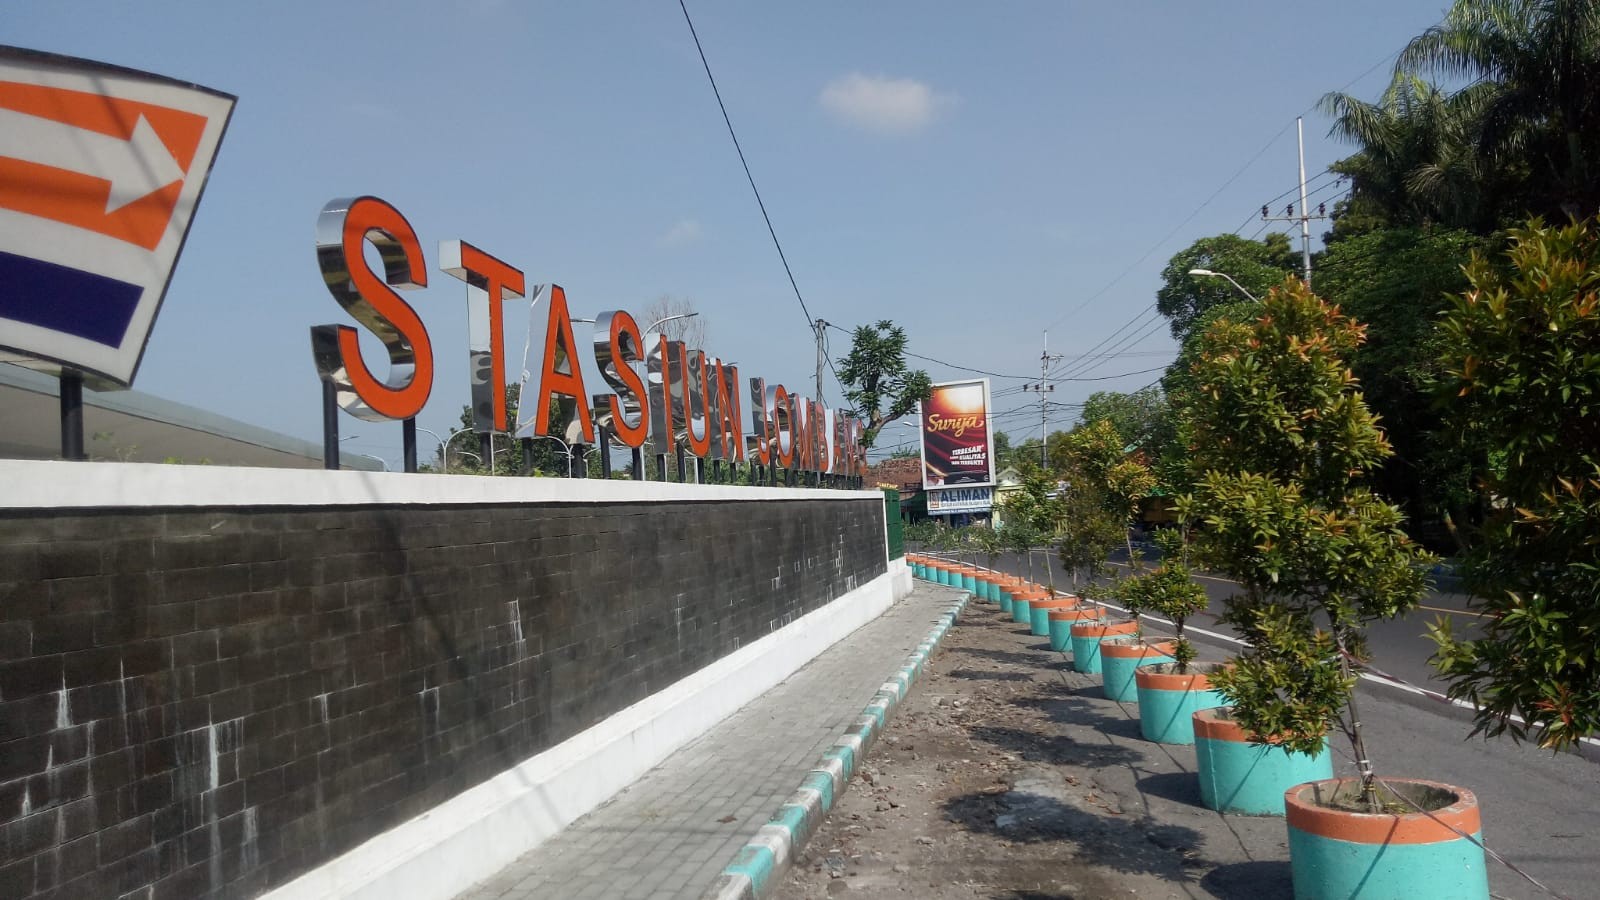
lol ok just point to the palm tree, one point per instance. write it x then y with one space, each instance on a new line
1420 162
1543 59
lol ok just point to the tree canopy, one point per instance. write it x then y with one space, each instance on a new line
876 379
1256 265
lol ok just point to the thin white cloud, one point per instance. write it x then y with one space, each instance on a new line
682 233
882 105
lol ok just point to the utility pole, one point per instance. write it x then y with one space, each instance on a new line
821 328
1305 216
1044 387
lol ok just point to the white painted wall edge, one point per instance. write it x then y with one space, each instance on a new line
58 484
900 573
468 838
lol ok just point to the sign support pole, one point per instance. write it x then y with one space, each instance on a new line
408 442
72 416
638 464
330 425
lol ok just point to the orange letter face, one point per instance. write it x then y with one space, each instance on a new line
560 375
343 229
696 393
490 282
617 347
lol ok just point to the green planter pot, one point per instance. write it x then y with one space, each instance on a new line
1086 638
1121 657
1022 606
1237 776
1062 620
1005 599
1413 856
1168 701
1039 613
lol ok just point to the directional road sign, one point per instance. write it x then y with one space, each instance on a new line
100 172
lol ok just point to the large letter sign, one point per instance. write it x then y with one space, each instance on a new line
663 393
101 169
342 232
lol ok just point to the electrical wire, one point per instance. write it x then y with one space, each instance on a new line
778 245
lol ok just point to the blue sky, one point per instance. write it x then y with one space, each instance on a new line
975 172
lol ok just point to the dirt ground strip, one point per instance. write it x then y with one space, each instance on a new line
1007 775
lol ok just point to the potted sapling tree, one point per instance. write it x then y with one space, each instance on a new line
1283 442
1169 693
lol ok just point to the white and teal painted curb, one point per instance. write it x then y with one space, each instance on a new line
755 869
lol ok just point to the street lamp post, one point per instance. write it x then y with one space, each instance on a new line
566 448
1210 274
444 446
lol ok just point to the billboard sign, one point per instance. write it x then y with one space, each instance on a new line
947 501
101 169
957 443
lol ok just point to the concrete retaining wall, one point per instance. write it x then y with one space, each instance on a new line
220 682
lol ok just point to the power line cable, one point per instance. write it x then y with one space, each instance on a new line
778 245
1169 235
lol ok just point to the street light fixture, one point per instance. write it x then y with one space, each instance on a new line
1211 274
444 445
669 319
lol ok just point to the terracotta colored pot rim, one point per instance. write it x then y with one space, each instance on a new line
1304 813
1074 614
1215 724
1056 603
1133 648
1195 680
1101 629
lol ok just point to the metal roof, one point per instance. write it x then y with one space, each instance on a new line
129 426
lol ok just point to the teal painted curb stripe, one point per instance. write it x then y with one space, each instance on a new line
1241 777
753 861
1118 681
822 783
1166 717
753 869
1328 869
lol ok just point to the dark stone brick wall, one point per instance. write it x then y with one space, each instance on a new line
210 703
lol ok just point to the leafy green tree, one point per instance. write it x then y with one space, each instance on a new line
876 379
1170 591
1018 536
1102 480
1522 354
1002 450
1538 61
1038 507
989 543
465 448
1257 265
1282 443
1419 162
1399 281
1143 418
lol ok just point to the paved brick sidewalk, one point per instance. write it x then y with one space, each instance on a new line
669 834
